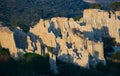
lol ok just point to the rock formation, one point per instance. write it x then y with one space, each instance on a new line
78 42
7 40
103 23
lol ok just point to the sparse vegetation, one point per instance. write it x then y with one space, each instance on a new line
108 49
101 67
116 55
77 18
50 49
95 6
4 55
26 13
115 6
32 64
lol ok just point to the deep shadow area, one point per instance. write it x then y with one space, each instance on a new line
31 64
77 32
56 31
34 40
20 39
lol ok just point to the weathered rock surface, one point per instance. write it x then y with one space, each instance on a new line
78 42
68 35
7 40
103 24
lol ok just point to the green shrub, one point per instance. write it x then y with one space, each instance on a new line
38 63
101 67
77 18
108 49
73 70
116 55
115 6
95 6
8 66
4 55
47 56
67 70
50 49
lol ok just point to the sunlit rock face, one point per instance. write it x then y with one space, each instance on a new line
7 40
77 42
104 24
73 42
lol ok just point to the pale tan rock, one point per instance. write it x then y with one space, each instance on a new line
84 60
38 51
98 47
7 40
40 31
77 40
98 19
30 47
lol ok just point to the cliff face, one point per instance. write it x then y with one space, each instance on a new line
78 42
66 36
104 24
7 40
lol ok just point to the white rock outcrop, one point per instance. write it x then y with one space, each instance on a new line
78 42
7 40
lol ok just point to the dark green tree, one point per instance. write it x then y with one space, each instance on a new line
115 6
4 55
95 6
39 64
116 55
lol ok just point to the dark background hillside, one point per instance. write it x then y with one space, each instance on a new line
28 12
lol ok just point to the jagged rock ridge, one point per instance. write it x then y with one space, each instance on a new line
78 42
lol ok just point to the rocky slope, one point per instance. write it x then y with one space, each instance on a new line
78 42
